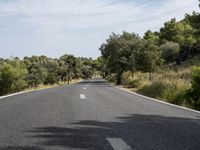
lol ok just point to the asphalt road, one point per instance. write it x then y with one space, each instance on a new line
94 115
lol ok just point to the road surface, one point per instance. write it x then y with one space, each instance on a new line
93 115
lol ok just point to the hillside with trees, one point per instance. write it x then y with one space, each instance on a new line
161 65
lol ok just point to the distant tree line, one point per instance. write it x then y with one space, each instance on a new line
17 74
176 42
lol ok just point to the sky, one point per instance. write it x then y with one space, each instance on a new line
79 27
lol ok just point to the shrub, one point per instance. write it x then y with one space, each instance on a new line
154 90
170 51
51 79
175 91
133 83
193 94
12 77
165 89
136 80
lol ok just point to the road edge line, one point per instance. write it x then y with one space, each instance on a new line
156 100
24 92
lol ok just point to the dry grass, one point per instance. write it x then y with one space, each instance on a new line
42 86
169 84
166 85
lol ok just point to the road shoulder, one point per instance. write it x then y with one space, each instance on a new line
155 100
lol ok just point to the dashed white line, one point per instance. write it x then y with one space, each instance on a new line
84 88
82 96
118 144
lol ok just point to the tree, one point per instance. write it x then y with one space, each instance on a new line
1 61
148 58
169 31
178 32
153 37
133 46
128 52
37 72
193 94
194 21
100 67
170 51
68 67
87 67
114 52
182 33
52 71
12 77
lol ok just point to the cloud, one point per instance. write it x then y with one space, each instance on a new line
83 21
62 14
71 14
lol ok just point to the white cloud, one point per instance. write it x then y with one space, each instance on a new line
59 14
93 20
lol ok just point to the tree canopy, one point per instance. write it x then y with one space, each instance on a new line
16 74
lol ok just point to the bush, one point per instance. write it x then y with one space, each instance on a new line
12 77
51 79
170 51
154 90
133 83
136 80
174 92
170 90
193 94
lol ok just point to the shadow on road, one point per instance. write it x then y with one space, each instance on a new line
21 148
138 131
96 83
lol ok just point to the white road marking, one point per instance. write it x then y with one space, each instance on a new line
87 85
84 88
118 144
82 96
15 94
28 91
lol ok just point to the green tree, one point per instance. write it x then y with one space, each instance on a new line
12 77
148 58
193 95
114 52
127 52
182 33
52 71
133 46
170 51
194 21
68 67
178 32
169 31
37 72
100 66
153 37
88 67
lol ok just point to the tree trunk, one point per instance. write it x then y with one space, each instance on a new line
119 78
68 81
132 73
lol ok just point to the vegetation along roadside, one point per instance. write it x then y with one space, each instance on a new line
163 65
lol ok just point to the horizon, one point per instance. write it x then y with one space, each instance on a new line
57 27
